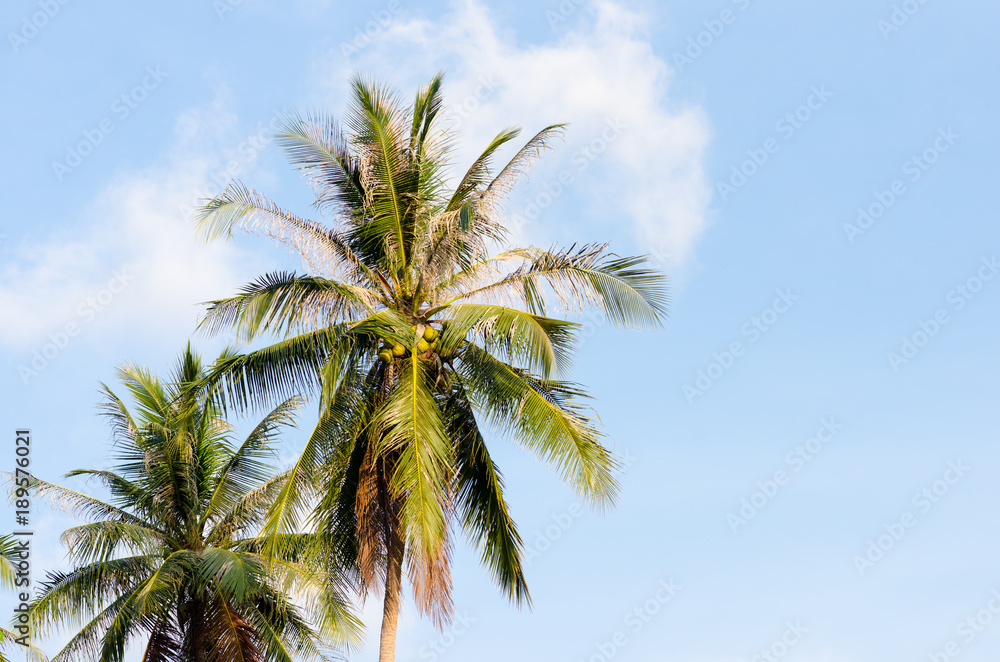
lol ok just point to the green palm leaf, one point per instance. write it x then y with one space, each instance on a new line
547 418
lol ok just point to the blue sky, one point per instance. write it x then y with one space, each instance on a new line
815 178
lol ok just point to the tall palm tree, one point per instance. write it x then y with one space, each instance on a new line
416 327
172 557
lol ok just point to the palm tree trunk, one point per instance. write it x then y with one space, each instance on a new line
192 622
393 594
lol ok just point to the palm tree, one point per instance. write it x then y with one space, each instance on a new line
10 558
417 327
172 557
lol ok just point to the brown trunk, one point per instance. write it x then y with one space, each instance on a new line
192 622
393 594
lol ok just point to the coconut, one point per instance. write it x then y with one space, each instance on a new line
385 355
398 350
423 345
430 334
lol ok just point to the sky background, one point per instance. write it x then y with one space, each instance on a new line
737 142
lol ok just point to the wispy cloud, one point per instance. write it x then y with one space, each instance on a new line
137 225
601 70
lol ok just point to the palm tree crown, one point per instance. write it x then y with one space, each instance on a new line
172 557
417 326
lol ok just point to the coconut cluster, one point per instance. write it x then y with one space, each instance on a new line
425 343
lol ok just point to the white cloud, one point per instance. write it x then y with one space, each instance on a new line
130 262
602 70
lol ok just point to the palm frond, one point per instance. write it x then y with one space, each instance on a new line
99 541
538 342
164 643
477 177
317 145
247 469
284 302
79 505
148 603
287 368
64 598
86 644
10 556
516 168
547 418
629 294
409 425
233 638
482 508
291 504
245 208
426 107
378 124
